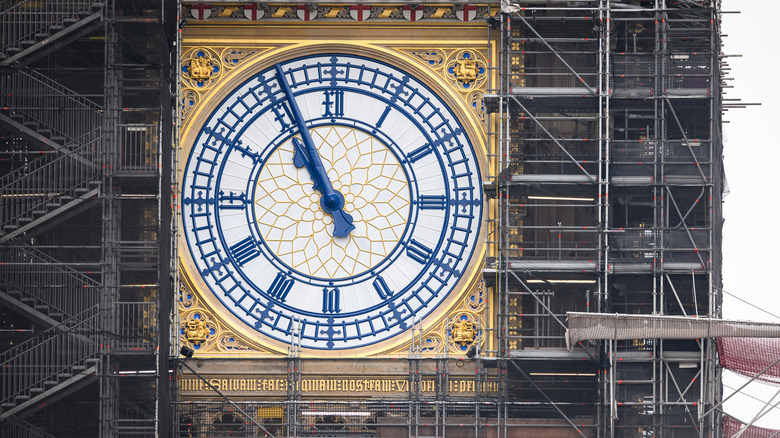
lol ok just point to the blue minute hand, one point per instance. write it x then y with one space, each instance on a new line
331 201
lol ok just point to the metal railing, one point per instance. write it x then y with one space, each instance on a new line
135 326
45 360
25 22
46 183
44 104
140 153
46 281
23 429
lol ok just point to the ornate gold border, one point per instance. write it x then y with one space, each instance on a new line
229 335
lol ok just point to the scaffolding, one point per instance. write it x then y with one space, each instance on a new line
84 217
609 188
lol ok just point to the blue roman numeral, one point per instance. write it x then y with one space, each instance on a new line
244 251
420 152
418 252
331 300
283 116
280 287
380 286
383 117
334 103
432 202
232 201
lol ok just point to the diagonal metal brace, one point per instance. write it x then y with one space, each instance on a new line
590 89
525 110
685 137
547 309
685 226
527 377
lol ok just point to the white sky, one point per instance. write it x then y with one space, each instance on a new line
751 234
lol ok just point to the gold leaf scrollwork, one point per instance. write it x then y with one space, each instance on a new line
476 300
186 299
189 100
431 344
433 58
477 105
232 57
229 342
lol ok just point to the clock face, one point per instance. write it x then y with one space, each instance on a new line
332 201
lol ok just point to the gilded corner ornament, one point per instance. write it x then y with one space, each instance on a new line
200 68
467 70
463 332
198 330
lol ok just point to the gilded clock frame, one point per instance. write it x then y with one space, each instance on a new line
456 69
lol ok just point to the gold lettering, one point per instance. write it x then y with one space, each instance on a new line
200 385
377 386
243 385
402 385
470 386
224 383
304 385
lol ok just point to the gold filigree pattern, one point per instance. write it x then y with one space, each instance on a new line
233 57
476 300
230 342
189 100
200 68
477 105
438 339
186 299
431 344
432 58
375 189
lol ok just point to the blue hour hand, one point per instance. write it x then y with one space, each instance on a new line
331 201
300 159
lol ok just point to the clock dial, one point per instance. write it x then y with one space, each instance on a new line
331 200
